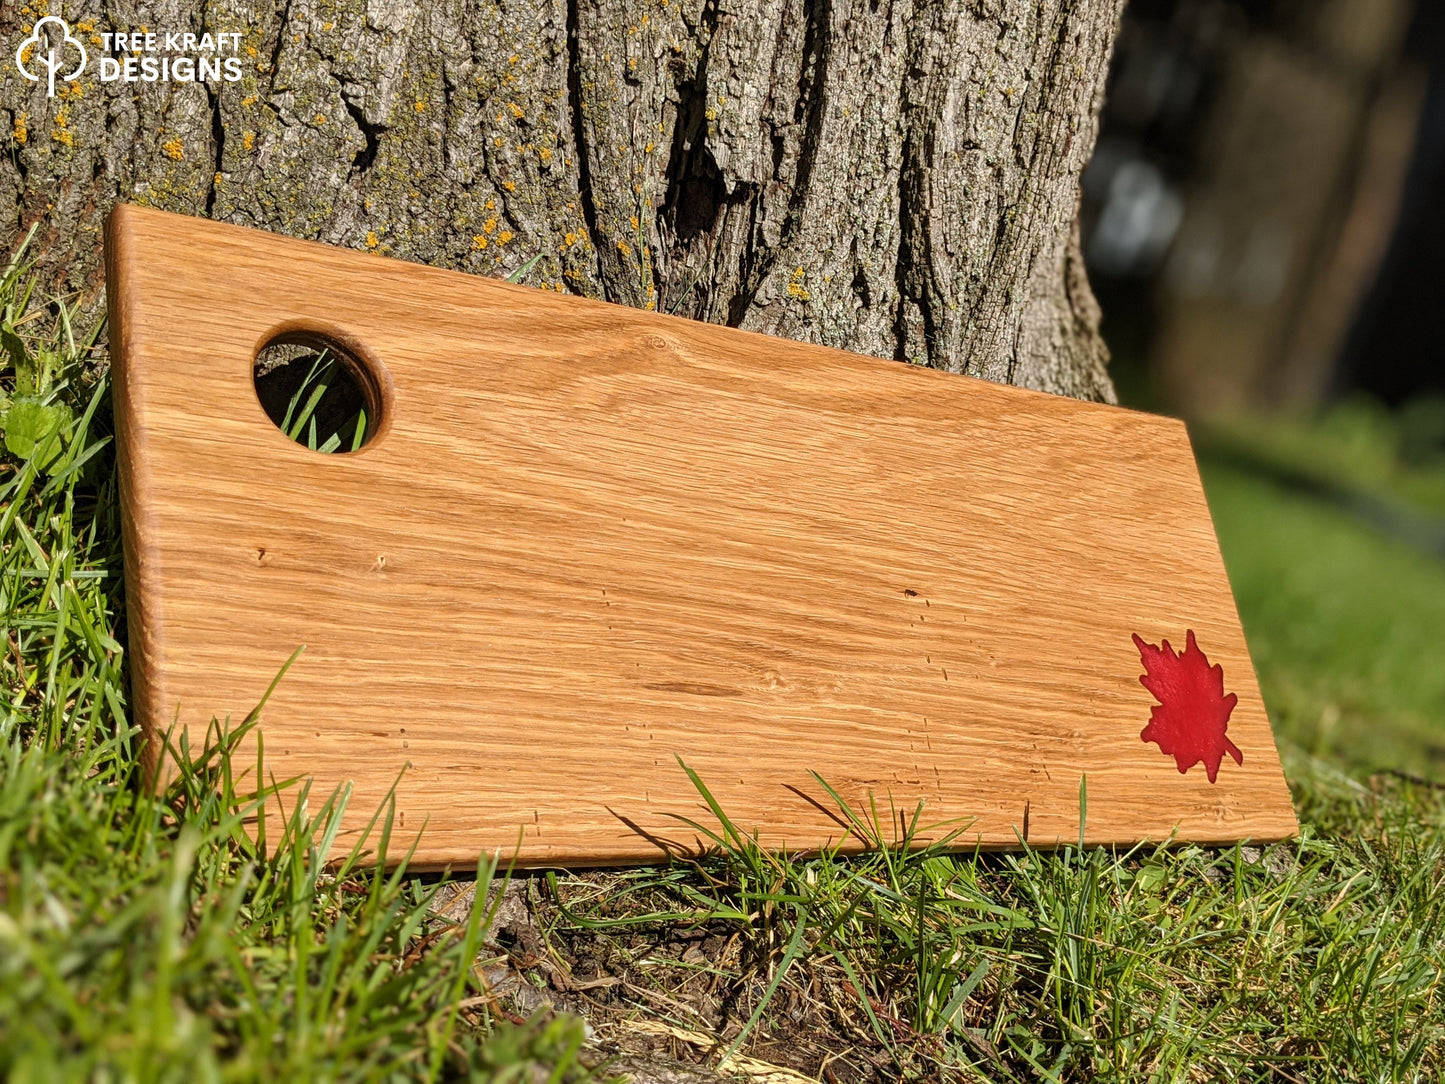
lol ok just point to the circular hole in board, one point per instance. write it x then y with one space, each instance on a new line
318 392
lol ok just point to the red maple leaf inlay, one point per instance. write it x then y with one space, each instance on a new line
1192 715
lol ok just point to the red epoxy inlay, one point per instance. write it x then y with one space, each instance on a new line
1192 715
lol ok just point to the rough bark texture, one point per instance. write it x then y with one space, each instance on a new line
897 177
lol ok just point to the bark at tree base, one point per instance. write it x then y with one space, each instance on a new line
893 177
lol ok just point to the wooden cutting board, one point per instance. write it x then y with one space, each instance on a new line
588 541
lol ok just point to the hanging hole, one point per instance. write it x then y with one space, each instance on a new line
317 392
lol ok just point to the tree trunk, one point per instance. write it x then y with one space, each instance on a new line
893 177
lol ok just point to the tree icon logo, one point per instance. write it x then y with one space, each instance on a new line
43 47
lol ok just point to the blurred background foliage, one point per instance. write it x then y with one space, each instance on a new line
1264 221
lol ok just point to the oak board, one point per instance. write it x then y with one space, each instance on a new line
588 541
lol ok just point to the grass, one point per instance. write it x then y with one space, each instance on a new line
299 422
1344 621
1317 959
147 936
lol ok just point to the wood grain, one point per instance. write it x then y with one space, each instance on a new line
588 541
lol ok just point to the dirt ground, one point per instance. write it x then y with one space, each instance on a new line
665 1001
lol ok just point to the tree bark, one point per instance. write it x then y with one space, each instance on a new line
895 177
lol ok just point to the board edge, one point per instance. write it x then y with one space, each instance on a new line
144 625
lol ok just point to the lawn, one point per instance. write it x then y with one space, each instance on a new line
1344 622
151 937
